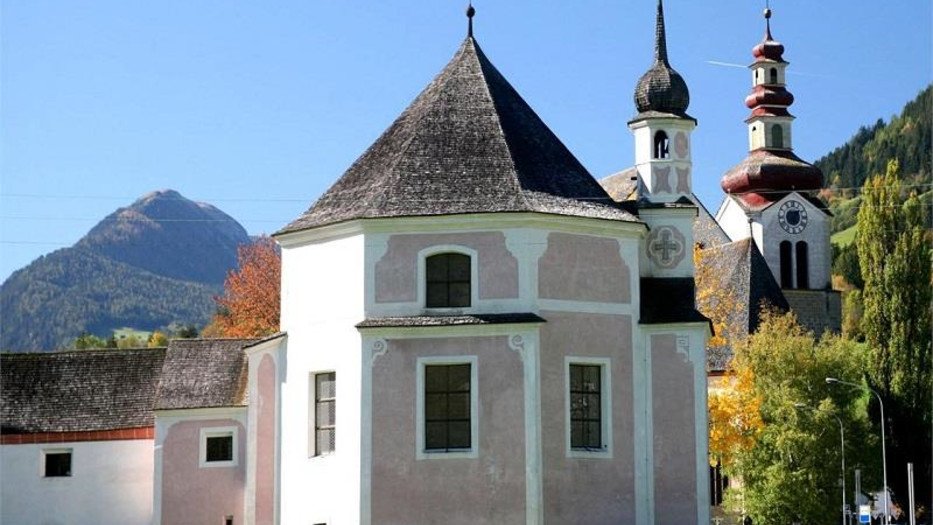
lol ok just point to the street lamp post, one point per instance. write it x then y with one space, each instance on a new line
884 457
842 440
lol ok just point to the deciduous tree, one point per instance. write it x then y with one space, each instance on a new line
788 458
894 256
249 306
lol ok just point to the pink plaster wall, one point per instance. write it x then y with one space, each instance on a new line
583 268
191 494
265 443
488 489
587 490
397 271
672 384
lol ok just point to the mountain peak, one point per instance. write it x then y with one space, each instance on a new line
167 234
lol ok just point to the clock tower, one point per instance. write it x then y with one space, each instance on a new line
772 195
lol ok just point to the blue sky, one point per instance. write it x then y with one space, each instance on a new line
257 107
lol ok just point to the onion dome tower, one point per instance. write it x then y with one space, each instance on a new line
664 189
662 127
771 169
772 196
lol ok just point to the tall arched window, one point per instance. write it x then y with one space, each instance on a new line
787 270
661 145
777 136
774 79
803 267
447 280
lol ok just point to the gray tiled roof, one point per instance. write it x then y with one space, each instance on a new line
742 275
706 231
203 373
78 391
450 320
467 144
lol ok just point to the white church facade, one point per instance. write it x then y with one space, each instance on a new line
472 331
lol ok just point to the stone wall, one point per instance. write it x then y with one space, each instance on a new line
817 310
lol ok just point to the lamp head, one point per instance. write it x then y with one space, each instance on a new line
831 380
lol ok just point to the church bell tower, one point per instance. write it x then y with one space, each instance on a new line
772 195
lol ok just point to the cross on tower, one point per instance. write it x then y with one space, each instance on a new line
667 246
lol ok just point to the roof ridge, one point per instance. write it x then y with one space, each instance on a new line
483 60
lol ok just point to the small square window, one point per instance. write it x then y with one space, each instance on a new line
218 447
57 463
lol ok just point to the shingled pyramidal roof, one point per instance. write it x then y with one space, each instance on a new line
467 144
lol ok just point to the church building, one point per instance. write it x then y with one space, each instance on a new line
473 330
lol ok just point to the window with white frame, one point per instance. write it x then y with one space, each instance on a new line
588 399
447 422
323 417
218 447
56 463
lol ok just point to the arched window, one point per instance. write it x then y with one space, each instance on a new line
787 270
777 136
803 268
774 79
447 280
661 145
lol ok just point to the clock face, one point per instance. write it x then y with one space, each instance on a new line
792 217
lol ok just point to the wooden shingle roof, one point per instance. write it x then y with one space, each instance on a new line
738 274
468 143
203 373
78 391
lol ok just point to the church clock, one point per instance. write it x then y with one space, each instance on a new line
792 217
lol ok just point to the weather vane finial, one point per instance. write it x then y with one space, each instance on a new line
470 12
767 14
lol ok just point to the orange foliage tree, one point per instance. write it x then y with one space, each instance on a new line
250 304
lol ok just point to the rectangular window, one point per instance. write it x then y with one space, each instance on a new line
57 463
585 407
447 407
325 413
447 280
218 447
588 398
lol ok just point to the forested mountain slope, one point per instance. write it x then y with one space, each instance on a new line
157 261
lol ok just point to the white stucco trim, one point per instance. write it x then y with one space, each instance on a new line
643 419
212 432
527 344
421 279
473 451
462 223
418 332
605 398
589 307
